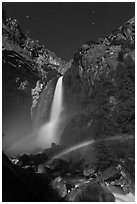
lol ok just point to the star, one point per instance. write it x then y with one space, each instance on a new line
93 12
27 16
93 23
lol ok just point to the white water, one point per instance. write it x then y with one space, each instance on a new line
57 101
120 195
124 198
50 132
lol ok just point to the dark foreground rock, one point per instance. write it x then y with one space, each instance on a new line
22 185
59 185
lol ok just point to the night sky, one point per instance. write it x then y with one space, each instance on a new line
64 27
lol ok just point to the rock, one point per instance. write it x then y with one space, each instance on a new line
40 169
112 173
41 110
24 159
89 171
59 185
59 165
13 185
38 159
15 39
90 192
129 166
70 185
24 185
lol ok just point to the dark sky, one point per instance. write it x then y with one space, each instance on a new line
64 27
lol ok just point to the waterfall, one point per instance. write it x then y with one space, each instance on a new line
50 132
57 101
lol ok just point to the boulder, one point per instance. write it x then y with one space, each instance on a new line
89 171
90 192
14 188
24 159
110 174
58 184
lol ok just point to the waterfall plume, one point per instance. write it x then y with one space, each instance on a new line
49 133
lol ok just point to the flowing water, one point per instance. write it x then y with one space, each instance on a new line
124 198
120 195
50 132
57 103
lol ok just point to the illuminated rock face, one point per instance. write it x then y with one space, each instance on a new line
18 80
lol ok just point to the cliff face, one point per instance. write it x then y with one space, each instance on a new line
18 80
27 69
100 85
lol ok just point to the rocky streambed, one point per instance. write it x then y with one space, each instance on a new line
73 180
